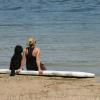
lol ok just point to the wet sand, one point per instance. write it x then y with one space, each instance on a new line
21 87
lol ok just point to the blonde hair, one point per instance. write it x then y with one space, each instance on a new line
31 41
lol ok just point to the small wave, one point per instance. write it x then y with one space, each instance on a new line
81 9
12 8
59 1
32 24
67 63
15 8
11 24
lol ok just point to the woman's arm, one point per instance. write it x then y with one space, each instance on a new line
22 61
38 60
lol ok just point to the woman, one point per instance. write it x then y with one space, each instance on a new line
32 56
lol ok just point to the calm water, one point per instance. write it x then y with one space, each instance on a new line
67 31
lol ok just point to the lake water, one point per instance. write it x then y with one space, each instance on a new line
67 32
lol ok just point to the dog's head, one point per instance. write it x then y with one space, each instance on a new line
18 49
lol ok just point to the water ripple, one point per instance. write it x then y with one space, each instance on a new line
12 8
50 5
82 9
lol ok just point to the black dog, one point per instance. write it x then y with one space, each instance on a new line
16 59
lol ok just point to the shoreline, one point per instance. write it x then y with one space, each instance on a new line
23 87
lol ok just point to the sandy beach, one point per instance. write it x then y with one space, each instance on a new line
23 87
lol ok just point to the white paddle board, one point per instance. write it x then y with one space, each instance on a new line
53 73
